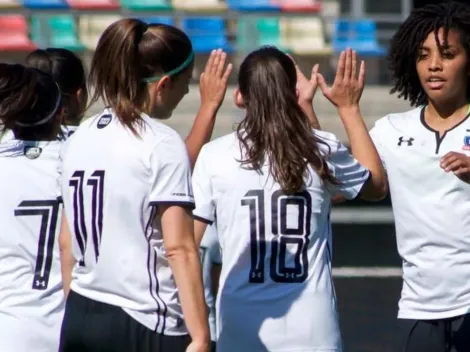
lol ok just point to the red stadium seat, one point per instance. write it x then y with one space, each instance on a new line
300 5
14 34
94 4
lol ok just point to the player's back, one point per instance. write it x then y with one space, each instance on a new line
31 296
276 286
109 176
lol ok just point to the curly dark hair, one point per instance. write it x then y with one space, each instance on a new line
412 33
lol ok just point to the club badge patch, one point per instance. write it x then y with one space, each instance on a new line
32 152
466 143
104 121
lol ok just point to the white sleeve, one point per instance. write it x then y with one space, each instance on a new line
203 195
348 172
377 139
171 173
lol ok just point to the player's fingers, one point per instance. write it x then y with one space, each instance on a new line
209 61
315 69
454 165
221 65
341 66
322 83
362 74
348 65
461 171
354 66
228 72
448 158
215 63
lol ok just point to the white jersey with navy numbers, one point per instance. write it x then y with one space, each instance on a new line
276 288
31 296
432 214
210 256
112 185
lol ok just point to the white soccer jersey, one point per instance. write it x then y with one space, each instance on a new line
276 289
31 295
432 214
210 256
112 184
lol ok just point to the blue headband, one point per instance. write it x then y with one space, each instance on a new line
172 72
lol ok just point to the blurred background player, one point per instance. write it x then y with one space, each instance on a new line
68 72
426 154
127 198
31 297
211 265
268 187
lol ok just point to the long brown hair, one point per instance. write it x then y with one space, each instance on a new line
68 71
30 101
128 52
275 126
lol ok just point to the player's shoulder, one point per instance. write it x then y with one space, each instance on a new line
221 146
398 121
31 149
156 132
330 144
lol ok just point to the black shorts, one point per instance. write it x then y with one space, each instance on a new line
440 335
91 326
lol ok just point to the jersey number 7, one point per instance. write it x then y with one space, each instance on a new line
49 212
284 236
95 185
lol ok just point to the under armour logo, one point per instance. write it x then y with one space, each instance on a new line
409 142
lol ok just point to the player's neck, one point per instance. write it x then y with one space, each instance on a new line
447 110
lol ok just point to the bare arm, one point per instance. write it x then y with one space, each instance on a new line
199 230
67 262
345 95
213 86
183 257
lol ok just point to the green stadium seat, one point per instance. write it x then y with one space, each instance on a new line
55 31
269 32
146 5
255 32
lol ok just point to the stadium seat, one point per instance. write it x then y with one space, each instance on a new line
206 33
254 5
146 5
14 34
94 4
45 4
305 36
200 5
55 31
301 6
9 4
360 36
162 19
91 27
269 32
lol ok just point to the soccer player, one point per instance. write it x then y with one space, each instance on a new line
68 71
127 197
31 296
426 155
211 265
268 189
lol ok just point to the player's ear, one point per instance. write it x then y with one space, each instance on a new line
238 99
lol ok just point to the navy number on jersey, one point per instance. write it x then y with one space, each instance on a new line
94 185
290 232
48 210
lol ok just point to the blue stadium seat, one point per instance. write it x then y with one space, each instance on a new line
360 36
45 4
253 5
170 21
206 34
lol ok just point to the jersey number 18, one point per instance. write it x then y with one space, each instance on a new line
284 236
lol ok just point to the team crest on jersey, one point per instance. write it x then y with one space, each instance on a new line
104 121
466 143
32 152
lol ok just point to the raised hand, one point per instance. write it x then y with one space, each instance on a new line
348 85
457 163
214 80
306 88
